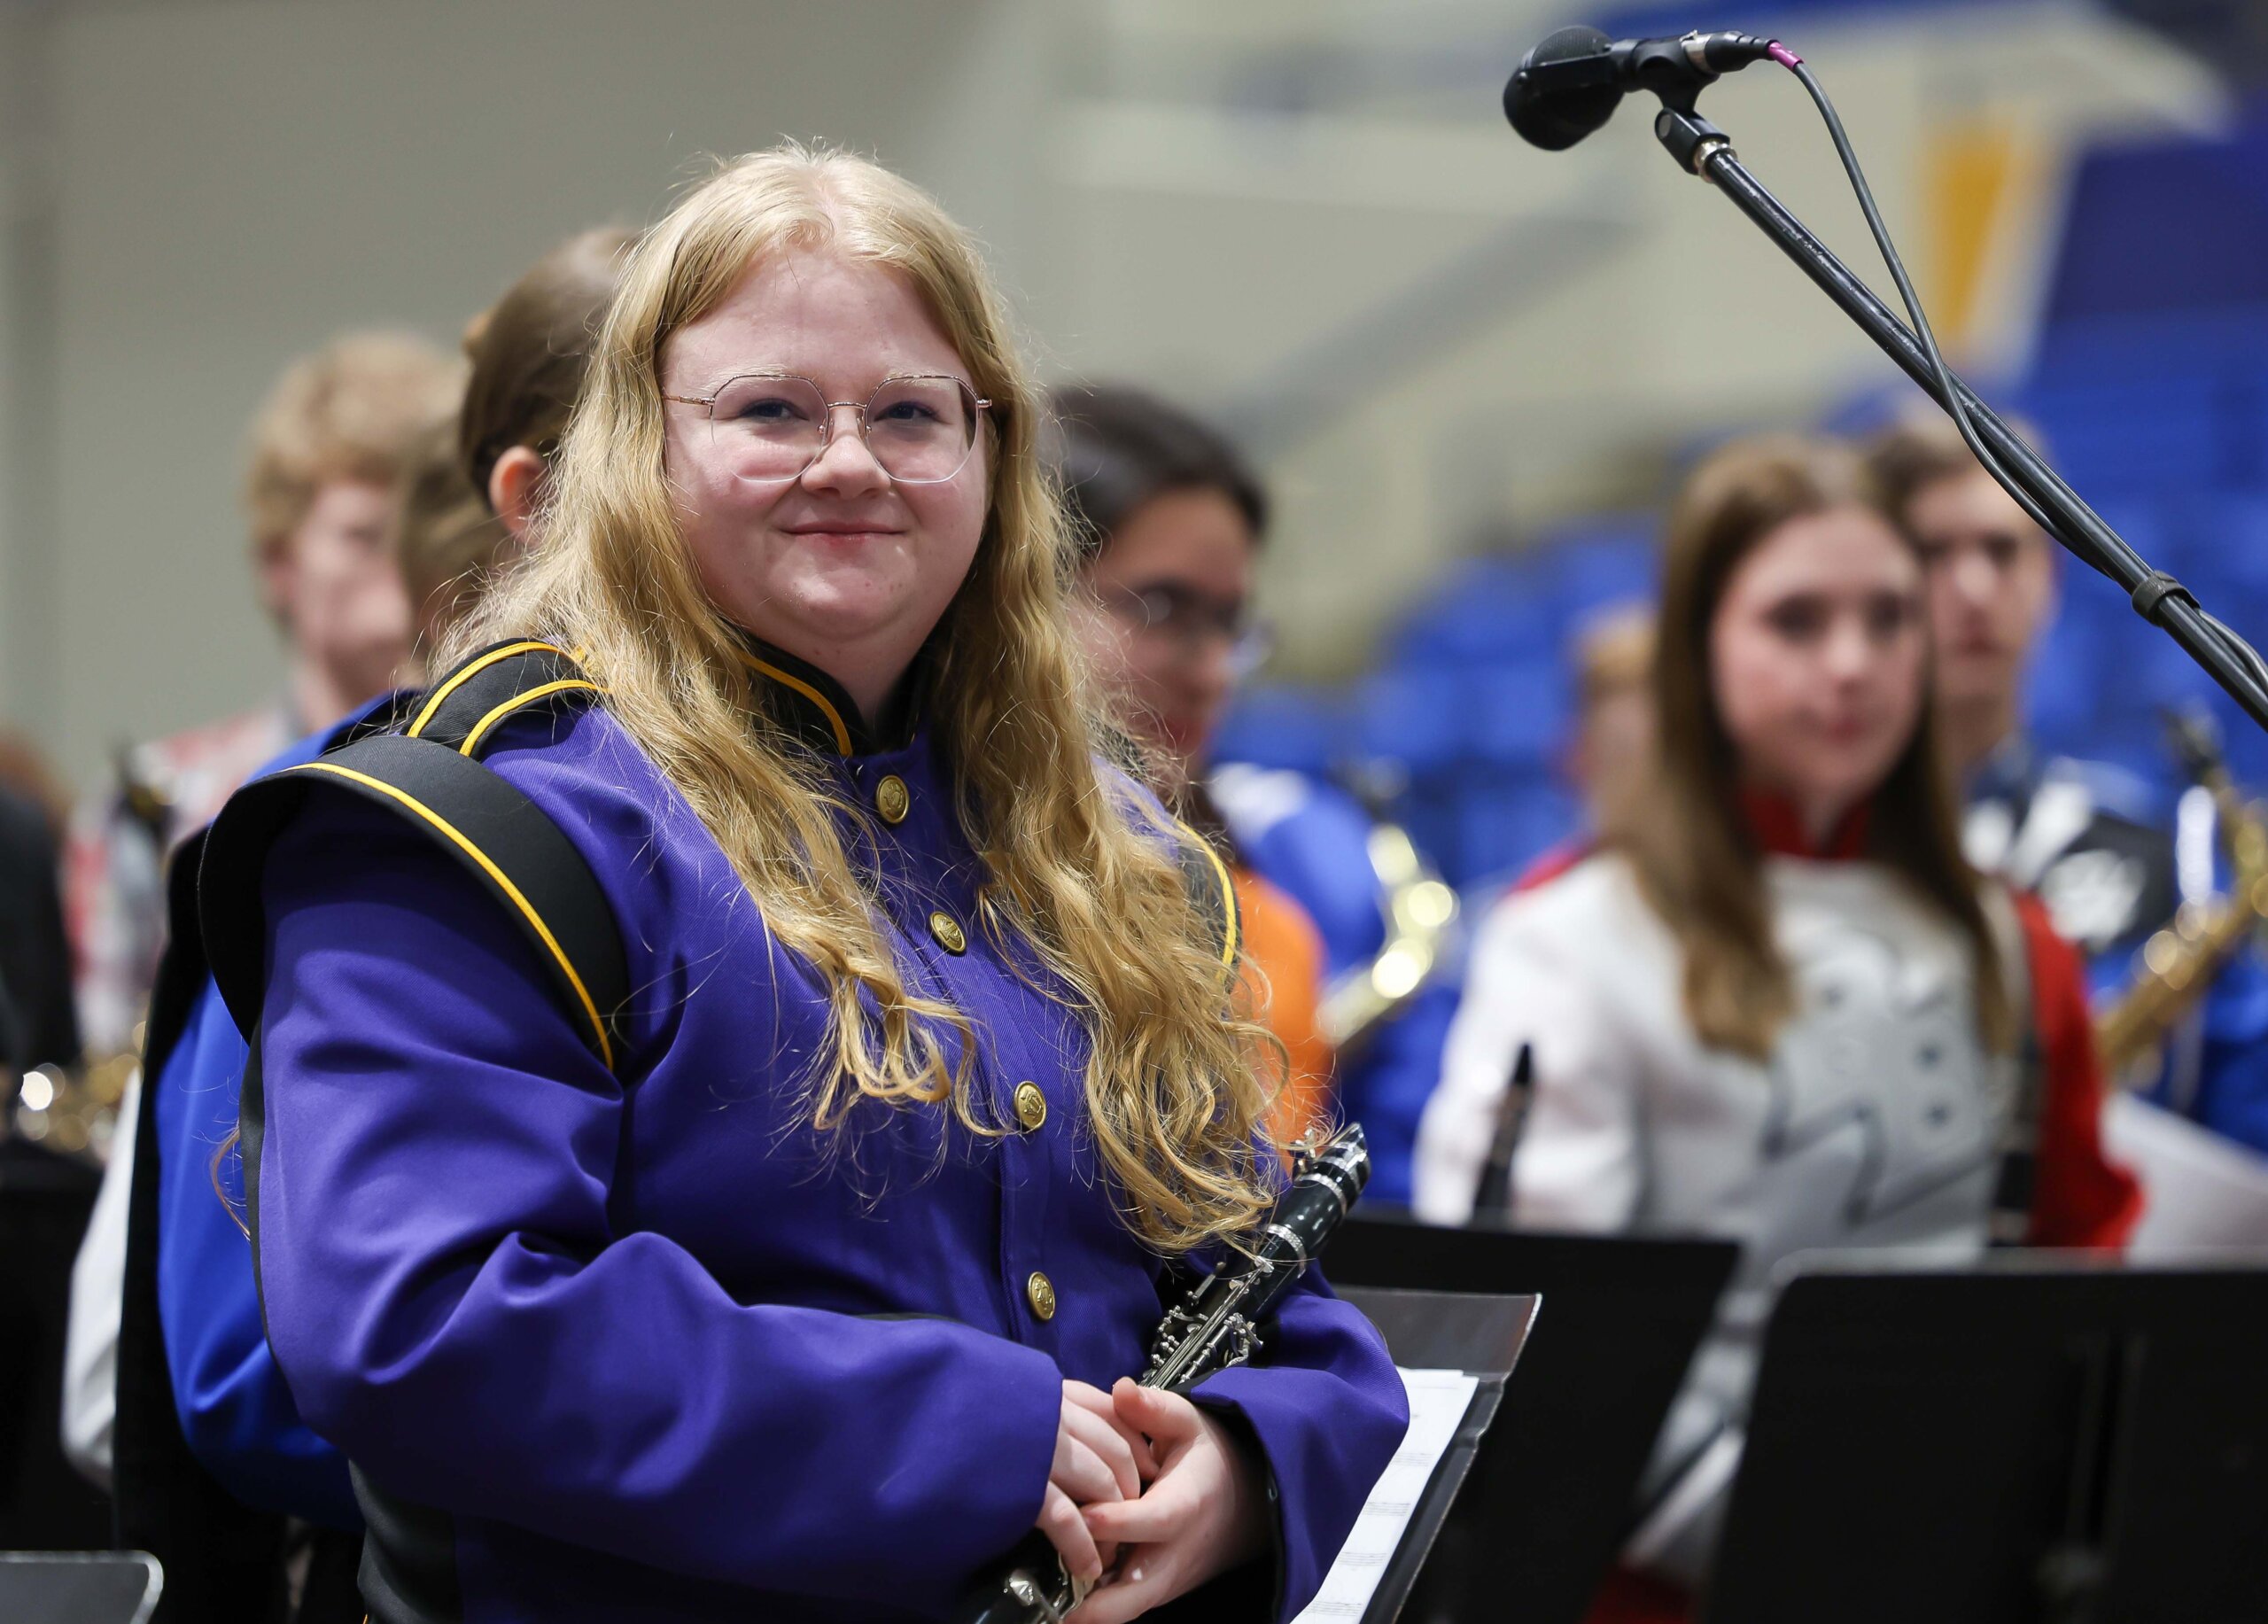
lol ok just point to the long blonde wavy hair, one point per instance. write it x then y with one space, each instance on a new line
1177 1085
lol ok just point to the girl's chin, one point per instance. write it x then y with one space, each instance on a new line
1854 784
817 631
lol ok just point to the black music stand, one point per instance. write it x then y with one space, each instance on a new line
100 1586
1554 1485
2041 1438
45 1203
1481 1336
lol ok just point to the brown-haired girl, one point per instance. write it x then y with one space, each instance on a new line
1778 1007
467 503
791 1287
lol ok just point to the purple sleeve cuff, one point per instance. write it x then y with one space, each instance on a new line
1327 1412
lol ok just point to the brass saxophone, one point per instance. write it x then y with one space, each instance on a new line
2180 961
1419 908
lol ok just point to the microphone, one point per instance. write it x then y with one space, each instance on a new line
1571 82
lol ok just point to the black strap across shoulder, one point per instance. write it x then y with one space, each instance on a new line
425 768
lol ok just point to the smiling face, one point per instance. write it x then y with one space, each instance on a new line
840 566
1817 653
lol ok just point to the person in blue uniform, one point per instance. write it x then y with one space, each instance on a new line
1311 837
806 1281
2075 832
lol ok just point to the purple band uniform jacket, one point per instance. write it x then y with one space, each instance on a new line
638 1342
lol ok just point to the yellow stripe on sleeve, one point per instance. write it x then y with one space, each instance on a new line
503 881
480 728
473 668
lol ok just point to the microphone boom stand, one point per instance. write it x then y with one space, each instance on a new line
1702 149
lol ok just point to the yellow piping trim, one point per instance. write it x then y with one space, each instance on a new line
433 703
481 727
833 718
606 1049
1228 893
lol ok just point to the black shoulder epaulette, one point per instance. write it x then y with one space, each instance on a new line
422 761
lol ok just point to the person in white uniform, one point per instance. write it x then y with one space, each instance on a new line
1779 1006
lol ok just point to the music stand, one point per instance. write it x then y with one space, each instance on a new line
1479 1335
1555 1479
2041 1437
98 1586
45 1203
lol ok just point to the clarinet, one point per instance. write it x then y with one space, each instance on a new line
1493 1198
1217 1325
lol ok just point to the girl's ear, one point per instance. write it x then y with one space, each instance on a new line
515 489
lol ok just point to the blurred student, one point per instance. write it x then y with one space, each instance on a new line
1613 754
1175 519
1780 1008
1171 522
1610 754
463 507
326 449
2072 831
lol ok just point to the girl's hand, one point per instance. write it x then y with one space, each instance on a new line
1094 1466
1202 1515
1104 1409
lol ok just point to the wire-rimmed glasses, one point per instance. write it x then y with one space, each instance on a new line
1190 619
771 426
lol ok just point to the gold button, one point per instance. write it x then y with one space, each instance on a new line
947 932
1032 1106
1041 1290
891 800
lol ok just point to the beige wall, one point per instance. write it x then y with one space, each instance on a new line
1307 217
235 182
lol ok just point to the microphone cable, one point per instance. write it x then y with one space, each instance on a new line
2243 652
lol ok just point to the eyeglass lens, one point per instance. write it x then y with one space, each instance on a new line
1191 618
920 430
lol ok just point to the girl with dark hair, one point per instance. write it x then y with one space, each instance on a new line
469 503
1171 522
1782 1008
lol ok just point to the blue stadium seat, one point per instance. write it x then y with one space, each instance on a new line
1612 560
1485 609
1282 724
1516 714
1507 821
1415 716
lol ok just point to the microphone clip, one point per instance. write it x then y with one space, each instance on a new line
1689 137
1677 70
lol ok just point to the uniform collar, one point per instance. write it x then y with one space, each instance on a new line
816 709
2011 772
1779 829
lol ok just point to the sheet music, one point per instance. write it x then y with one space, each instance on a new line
1437 1400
